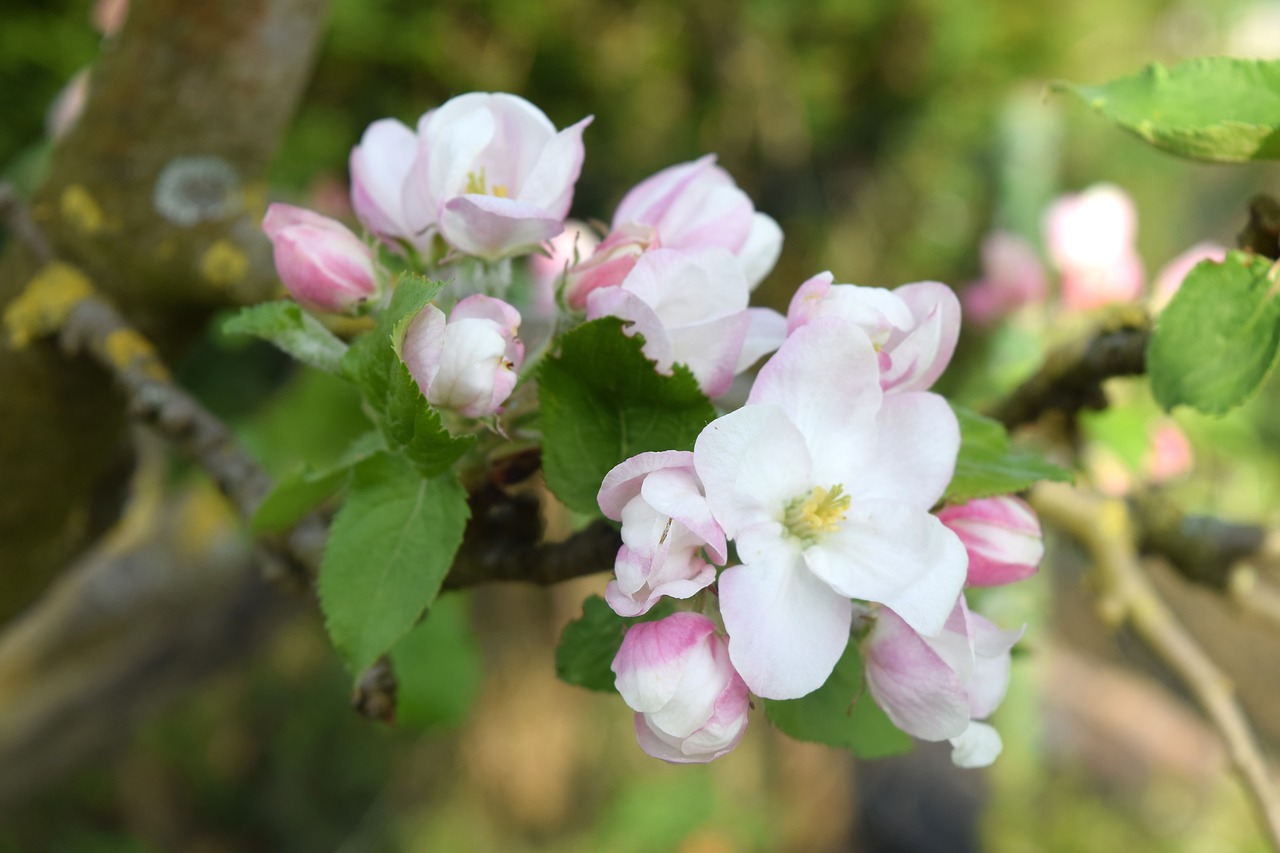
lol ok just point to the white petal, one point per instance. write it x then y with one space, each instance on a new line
978 746
915 458
786 628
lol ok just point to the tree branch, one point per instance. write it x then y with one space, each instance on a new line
1072 376
159 181
1125 596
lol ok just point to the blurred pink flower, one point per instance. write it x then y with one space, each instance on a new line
1090 238
108 16
1170 455
1012 276
66 108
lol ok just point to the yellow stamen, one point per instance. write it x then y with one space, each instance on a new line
816 514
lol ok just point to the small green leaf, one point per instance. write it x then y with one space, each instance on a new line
1217 108
840 713
1217 341
302 491
603 402
389 549
293 330
371 360
437 666
589 644
988 466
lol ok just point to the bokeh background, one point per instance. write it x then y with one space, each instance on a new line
887 138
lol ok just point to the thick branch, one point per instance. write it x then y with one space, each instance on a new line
1072 375
160 181
1126 596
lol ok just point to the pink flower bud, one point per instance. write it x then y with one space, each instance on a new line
492 175
575 244
1090 238
469 363
322 264
666 524
1001 535
675 673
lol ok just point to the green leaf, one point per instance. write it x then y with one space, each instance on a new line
1218 108
589 644
603 402
840 713
407 421
988 466
437 666
389 549
293 330
302 491
1217 341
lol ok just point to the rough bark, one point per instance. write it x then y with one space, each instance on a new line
156 194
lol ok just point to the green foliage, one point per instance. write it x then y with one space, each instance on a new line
988 466
1217 341
590 643
1217 108
840 713
603 402
437 666
389 549
303 490
373 362
293 330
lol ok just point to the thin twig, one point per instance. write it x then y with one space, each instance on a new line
1105 527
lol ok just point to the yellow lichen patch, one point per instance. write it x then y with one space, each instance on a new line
204 519
223 264
254 199
128 350
43 306
80 210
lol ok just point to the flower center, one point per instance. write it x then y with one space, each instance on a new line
820 512
477 185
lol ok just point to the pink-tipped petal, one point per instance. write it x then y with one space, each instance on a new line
492 228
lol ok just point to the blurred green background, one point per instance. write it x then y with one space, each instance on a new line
886 138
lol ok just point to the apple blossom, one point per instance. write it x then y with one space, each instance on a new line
691 308
691 706
914 328
380 167
321 263
665 526
469 363
825 484
1170 455
1090 238
492 175
938 687
1012 276
1002 536
694 205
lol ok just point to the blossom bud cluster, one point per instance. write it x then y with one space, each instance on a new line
800 521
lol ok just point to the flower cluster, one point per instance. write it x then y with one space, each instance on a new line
825 484
801 521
